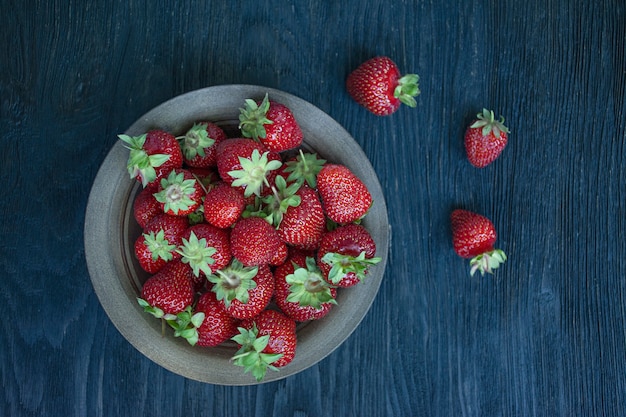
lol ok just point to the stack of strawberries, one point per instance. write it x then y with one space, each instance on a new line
245 236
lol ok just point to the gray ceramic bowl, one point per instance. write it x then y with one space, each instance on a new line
110 231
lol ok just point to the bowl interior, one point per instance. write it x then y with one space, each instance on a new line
110 232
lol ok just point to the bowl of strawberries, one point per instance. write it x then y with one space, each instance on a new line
236 235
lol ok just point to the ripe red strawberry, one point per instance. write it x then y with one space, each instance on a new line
180 193
244 290
254 241
345 255
199 144
474 236
169 291
223 205
153 251
173 227
206 249
485 139
303 225
344 196
145 206
300 289
266 342
378 86
271 123
152 155
245 163
218 326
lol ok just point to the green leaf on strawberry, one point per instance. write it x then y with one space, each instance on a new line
407 89
308 287
487 262
176 192
252 118
305 167
342 265
139 162
195 141
185 325
253 172
197 254
250 356
159 246
233 282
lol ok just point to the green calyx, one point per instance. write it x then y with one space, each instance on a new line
252 118
195 141
155 311
159 246
487 262
250 356
185 325
341 265
407 89
308 287
140 164
488 123
176 192
253 173
305 168
273 206
233 282
197 254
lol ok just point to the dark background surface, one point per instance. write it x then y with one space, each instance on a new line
544 337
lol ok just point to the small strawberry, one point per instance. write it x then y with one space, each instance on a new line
242 162
153 251
271 123
378 86
168 292
199 144
345 255
218 326
485 139
206 249
244 290
266 342
344 196
180 193
302 225
145 206
254 241
474 236
300 289
223 205
152 155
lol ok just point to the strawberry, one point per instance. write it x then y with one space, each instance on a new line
199 144
168 292
152 155
485 139
145 206
303 225
474 236
378 86
180 193
172 227
266 342
300 289
223 205
218 326
153 251
244 290
344 196
254 241
345 255
271 123
242 162
206 249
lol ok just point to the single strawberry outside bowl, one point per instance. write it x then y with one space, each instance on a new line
110 231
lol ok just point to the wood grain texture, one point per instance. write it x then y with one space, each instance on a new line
544 337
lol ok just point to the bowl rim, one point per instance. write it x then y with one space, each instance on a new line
109 255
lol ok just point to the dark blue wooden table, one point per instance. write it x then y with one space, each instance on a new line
545 336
